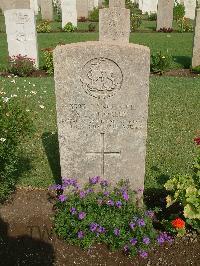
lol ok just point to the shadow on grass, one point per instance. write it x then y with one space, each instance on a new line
23 250
185 61
51 146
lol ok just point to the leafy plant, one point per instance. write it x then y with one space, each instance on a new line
44 27
184 25
100 213
136 21
69 27
179 11
91 27
16 125
48 61
160 62
186 190
94 15
152 17
196 69
22 66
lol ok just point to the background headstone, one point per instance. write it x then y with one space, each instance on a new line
34 6
47 9
196 45
102 93
69 12
165 14
190 6
21 33
114 22
82 8
14 4
149 6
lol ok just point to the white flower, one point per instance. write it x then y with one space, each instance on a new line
33 85
5 99
13 95
2 139
33 92
41 106
13 81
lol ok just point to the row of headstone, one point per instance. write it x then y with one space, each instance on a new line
150 6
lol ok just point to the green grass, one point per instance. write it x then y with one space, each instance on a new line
173 121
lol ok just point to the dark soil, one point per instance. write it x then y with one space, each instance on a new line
179 73
26 238
35 74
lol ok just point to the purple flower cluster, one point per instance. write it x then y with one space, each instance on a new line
73 211
125 195
62 198
146 240
163 238
110 202
98 229
132 225
81 215
141 222
104 183
143 254
150 214
80 234
133 241
116 231
118 204
94 180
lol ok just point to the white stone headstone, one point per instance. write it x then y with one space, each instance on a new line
190 6
21 33
69 12
34 6
149 6
47 9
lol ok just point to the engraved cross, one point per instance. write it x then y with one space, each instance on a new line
103 153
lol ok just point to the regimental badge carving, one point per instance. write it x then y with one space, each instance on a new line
101 77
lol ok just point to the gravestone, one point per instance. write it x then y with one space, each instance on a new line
34 6
149 6
69 12
114 22
47 9
102 93
165 14
21 33
190 6
196 44
82 8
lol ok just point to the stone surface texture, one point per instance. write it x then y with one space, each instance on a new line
69 12
190 6
21 33
14 4
82 8
47 9
196 45
34 6
165 14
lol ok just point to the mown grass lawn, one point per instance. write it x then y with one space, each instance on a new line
173 122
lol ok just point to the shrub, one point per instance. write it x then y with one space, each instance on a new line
48 61
152 17
179 11
196 69
44 26
91 27
98 213
69 27
184 25
185 189
160 62
22 66
166 30
136 21
94 15
16 125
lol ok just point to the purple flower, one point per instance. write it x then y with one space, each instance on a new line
141 222
93 227
89 190
106 193
82 194
133 241
126 249
62 198
81 215
80 234
110 203
125 195
118 204
53 187
160 240
146 240
101 229
73 210
150 214
104 183
94 180
164 237
116 231
143 254
132 225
